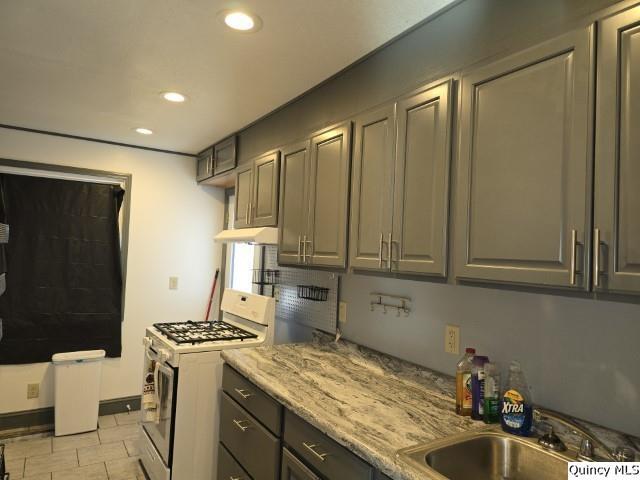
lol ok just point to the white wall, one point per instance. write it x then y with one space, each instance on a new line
172 224
580 356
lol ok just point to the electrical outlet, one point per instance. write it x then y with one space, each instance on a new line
173 283
33 390
276 293
452 339
342 313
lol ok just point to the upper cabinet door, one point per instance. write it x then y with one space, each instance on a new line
524 167
244 182
372 188
224 156
263 208
329 197
616 257
420 217
294 204
205 169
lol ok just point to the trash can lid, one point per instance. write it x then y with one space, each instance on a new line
78 356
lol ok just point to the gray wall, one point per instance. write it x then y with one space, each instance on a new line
469 32
581 355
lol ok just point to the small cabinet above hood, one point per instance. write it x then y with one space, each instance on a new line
260 236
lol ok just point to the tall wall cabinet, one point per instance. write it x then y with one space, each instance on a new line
256 203
314 199
524 175
616 236
400 185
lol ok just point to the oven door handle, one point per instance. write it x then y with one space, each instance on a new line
156 381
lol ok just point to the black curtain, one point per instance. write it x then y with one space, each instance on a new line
64 279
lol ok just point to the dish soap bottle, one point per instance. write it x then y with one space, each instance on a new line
491 413
477 386
463 383
516 411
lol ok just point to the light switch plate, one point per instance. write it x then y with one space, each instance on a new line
173 283
33 390
452 339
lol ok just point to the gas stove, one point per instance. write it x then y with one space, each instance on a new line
197 332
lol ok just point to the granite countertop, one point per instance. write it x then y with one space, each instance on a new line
370 403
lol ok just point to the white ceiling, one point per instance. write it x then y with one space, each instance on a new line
95 68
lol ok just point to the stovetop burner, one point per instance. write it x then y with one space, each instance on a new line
199 332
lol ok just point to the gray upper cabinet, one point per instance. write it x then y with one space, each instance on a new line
326 243
256 202
244 187
294 202
421 198
205 165
524 171
224 156
372 188
616 257
400 188
264 204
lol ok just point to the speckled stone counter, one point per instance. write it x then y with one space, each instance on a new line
368 402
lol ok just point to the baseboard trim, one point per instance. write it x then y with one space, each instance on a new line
45 416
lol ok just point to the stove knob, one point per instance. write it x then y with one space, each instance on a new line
146 342
164 355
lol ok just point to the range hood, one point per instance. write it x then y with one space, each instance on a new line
261 236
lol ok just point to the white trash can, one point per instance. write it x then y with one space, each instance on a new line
77 390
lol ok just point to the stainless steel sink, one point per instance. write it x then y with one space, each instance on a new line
486 455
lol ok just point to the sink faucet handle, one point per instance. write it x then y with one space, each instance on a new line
623 454
586 449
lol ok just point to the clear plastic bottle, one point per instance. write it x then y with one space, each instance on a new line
463 383
516 412
491 412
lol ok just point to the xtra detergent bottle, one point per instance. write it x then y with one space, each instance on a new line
516 412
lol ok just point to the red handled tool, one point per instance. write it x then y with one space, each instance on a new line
213 291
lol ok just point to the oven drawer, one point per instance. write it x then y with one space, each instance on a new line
257 449
228 467
325 455
258 403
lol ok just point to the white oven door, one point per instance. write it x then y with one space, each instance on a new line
158 423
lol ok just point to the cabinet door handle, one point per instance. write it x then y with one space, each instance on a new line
572 260
239 424
380 250
243 393
312 448
310 246
246 214
390 248
299 254
237 478
250 212
596 257
304 249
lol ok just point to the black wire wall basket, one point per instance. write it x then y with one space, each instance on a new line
266 276
311 292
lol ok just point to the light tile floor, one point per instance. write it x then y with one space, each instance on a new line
110 453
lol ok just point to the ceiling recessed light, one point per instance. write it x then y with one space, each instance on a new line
173 97
144 131
241 21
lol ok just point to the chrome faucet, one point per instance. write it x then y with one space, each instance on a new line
589 443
